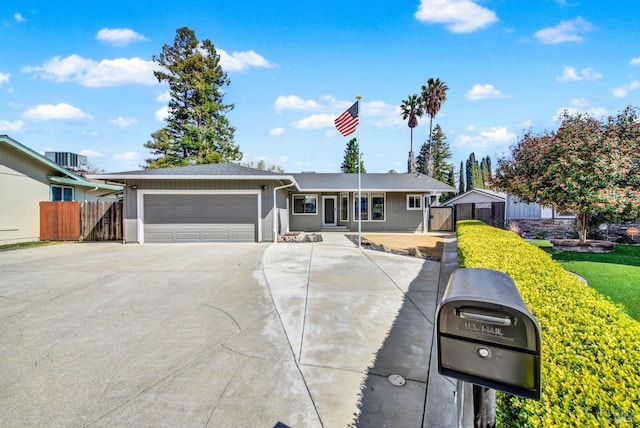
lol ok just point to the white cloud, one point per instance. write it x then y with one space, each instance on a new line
570 74
127 156
315 121
61 111
580 102
4 78
162 114
18 17
479 92
239 61
565 31
91 153
14 126
87 72
164 97
635 61
527 123
123 122
119 36
623 91
293 102
276 131
494 136
459 16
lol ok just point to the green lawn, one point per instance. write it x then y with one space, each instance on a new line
615 275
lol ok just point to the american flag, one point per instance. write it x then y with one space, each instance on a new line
347 122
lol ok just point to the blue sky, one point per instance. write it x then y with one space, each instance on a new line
77 76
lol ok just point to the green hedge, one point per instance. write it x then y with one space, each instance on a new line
590 347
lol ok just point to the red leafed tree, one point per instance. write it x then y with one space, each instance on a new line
586 166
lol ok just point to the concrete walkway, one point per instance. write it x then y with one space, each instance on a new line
356 317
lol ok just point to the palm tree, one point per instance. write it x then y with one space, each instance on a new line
412 108
433 95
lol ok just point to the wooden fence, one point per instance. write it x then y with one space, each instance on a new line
101 221
81 221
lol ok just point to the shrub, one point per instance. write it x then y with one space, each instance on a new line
590 347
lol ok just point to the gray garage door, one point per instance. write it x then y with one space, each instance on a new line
195 218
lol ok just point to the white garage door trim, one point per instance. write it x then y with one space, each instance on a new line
142 192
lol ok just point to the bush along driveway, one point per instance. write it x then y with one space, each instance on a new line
590 346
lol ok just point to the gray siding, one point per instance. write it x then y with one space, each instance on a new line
398 218
521 210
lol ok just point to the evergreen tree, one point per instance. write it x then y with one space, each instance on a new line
441 155
197 130
485 171
470 169
350 162
461 183
451 181
478 173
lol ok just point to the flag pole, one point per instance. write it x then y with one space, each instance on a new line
358 98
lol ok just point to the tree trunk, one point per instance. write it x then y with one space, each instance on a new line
430 166
582 222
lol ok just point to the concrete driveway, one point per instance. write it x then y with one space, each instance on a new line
219 335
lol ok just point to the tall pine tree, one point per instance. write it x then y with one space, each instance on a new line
197 130
350 162
441 155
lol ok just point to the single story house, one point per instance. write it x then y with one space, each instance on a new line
228 202
28 178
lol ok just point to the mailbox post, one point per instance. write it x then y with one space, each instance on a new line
487 336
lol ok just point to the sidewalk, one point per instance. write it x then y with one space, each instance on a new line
353 318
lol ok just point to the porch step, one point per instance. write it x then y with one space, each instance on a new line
335 229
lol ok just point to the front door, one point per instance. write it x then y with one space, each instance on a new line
329 211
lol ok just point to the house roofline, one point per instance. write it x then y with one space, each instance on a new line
74 179
88 184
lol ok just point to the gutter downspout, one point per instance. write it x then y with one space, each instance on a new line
275 207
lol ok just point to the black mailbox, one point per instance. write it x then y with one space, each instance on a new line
486 335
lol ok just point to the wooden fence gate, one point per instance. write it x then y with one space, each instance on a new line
440 219
59 221
78 221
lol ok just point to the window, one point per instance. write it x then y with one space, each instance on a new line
377 207
344 207
305 204
62 193
364 207
414 202
372 207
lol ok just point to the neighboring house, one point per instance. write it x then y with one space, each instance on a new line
227 202
28 178
532 219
